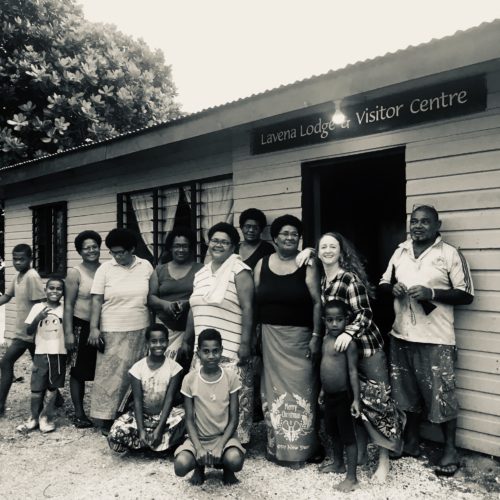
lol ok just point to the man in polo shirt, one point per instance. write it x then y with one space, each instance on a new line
427 278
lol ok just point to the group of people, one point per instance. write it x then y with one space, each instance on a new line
295 326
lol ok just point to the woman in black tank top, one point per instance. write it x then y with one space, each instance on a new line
289 309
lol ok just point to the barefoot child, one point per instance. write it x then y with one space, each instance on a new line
153 423
27 288
211 404
49 361
340 390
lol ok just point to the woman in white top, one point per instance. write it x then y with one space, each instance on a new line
118 319
77 320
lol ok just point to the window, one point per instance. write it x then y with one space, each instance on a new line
49 238
154 212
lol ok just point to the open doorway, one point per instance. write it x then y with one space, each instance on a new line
364 198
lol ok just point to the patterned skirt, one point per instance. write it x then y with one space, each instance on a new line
124 434
122 350
289 391
382 419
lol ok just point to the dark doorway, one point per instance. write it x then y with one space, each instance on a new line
364 198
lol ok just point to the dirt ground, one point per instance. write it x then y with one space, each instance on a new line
77 464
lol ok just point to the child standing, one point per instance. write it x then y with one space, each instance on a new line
27 288
155 381
211 404
340 392
49 361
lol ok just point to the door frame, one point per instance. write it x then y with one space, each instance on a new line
311 178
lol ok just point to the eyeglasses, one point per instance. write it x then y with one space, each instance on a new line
286 234
180 246
250 227
224 243
118 253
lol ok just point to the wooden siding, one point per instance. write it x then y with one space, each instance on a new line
92 201
455 166
452 164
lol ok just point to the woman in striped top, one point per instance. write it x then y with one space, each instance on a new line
222 299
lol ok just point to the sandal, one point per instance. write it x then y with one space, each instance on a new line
82 422
447 470
29 425
46 425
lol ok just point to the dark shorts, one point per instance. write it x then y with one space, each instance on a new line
48 372
338 419
424 373
84 358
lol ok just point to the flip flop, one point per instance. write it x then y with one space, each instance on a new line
447 470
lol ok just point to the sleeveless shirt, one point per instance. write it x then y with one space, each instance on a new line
284 299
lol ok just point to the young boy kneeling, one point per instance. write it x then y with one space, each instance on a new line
211 404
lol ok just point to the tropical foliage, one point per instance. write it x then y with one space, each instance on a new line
65 81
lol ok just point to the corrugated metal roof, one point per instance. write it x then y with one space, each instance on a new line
206 111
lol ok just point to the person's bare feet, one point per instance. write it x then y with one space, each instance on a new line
228 477
198 476
380 475
347 484
335 467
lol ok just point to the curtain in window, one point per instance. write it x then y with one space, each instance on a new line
143 209
170 202
187 195
216 204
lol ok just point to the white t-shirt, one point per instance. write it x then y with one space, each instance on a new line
154 382
49 337
125 291
441 266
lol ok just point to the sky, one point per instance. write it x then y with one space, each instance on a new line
222 50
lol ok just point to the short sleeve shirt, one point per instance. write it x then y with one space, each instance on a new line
154 382
125 291
210 400
49 338
27 290
441 266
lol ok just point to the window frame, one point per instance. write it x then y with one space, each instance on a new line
196 188
52 244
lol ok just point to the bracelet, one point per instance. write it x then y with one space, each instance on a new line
314 334
350 334
433 296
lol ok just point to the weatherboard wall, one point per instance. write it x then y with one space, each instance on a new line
455 166
452 164
91 195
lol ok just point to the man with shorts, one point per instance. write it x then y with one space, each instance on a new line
427 278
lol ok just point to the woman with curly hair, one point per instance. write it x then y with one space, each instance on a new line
344 278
